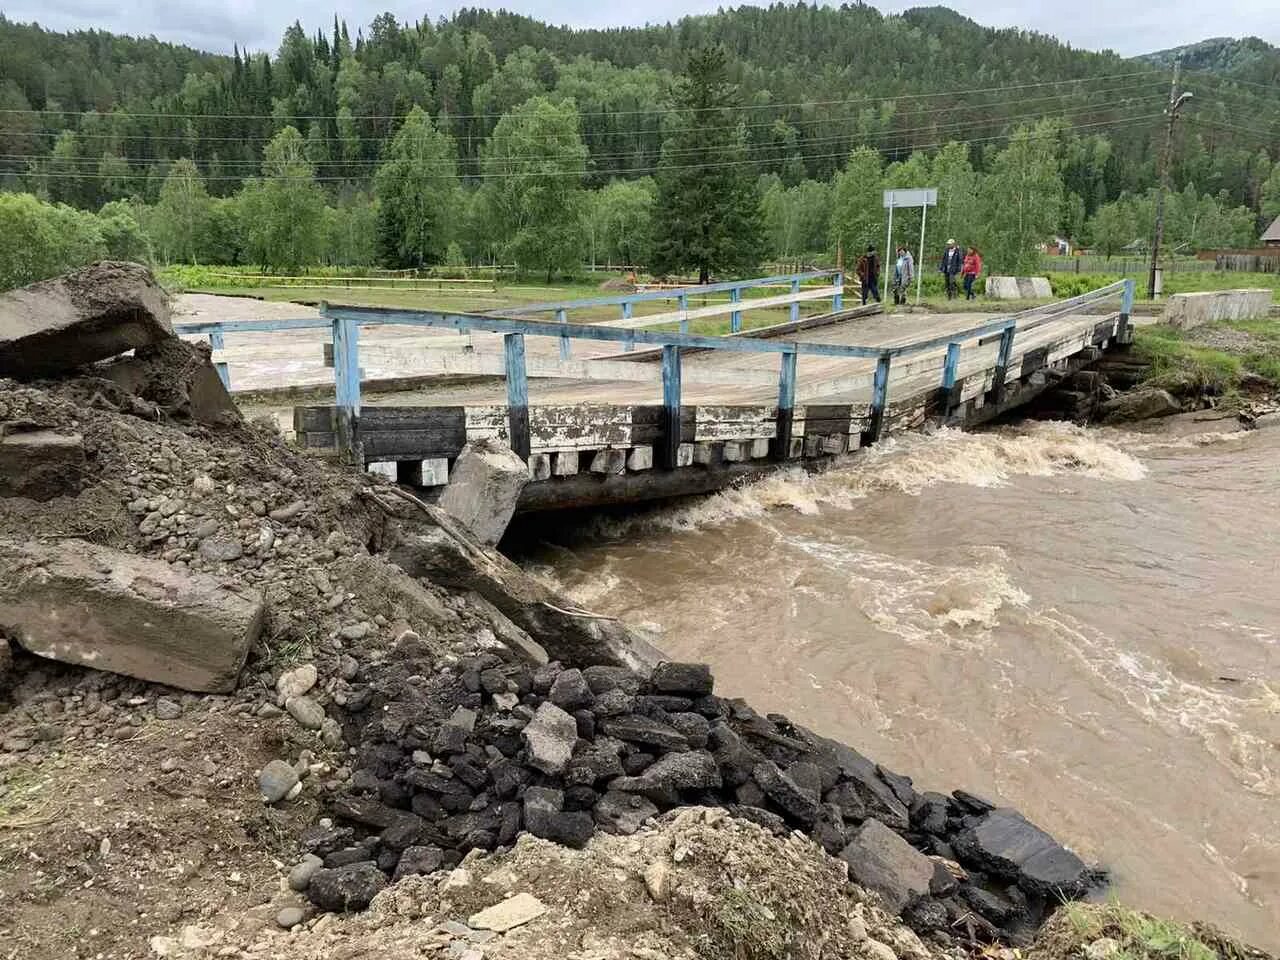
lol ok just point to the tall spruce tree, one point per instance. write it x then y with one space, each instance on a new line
707 216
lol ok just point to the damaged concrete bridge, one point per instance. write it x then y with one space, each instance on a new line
640 413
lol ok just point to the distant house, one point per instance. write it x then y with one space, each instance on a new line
1271 236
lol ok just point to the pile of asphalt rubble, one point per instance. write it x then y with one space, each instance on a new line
449 761
460 701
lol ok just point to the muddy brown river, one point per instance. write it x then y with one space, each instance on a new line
1081 624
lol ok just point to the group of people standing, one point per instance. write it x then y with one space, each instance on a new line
955 264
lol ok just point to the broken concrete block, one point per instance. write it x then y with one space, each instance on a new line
834 443
483 488
565 463
759 448
41 464
90 314
684 455
609 462
539 466
384 469
640 458
735 451
435 472
178 377
704 453
86 604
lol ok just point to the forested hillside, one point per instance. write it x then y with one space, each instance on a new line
490 136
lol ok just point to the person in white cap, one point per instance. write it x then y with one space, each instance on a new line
952 264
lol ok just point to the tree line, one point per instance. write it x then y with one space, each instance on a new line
699 147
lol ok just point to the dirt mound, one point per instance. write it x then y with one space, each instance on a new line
700 884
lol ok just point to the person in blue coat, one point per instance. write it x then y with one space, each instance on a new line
951 267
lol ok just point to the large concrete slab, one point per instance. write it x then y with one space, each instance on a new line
100 311
1019 288
1188 310
86 604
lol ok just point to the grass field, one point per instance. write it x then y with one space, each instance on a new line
506 296
1216 358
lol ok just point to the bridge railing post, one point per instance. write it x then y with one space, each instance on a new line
1124 328
1002 364
837 299
626 315
735 317
949 370
346 385
566 350
795 304
786 405
216 342
517 394
879 400
670 406
683 300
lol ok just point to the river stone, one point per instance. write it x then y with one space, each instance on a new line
624 813
664 779
882 861
300 876
693 679
220 548
545 816
551 736
1005 843
346 888
290 917
306 711
276 780
570 691
296 683
645 731
798 804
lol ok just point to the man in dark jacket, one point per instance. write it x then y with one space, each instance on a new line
868 270
952 264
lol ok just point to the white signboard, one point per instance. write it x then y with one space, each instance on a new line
923 197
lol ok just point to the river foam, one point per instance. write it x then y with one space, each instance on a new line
908 463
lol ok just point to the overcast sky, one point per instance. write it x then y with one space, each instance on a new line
1121 25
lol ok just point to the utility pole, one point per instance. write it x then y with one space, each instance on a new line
1176 100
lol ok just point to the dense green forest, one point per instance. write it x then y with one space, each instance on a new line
488 136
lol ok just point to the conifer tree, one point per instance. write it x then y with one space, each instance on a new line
707 215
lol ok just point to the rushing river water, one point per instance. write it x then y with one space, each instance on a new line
1081 624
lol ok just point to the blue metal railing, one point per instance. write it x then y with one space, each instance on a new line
345 323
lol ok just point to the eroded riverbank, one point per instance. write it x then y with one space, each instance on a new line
1081 622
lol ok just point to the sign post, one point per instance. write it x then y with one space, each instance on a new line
922 197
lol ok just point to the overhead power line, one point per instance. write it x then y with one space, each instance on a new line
634 171
1133 88
1150 74
787 149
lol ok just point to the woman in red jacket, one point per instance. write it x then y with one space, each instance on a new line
972 267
